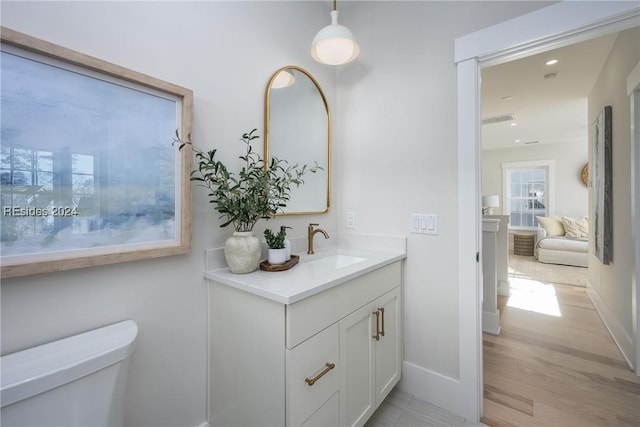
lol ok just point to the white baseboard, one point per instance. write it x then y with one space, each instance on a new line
617 332
432 387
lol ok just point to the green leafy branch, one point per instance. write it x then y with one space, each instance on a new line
257 191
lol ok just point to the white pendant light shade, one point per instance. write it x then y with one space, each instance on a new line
334 44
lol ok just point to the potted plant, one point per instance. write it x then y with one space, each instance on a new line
257 191
277 253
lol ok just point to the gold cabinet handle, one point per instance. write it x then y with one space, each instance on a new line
328 367
377 335
382 311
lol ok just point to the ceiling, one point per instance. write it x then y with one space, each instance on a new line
547 110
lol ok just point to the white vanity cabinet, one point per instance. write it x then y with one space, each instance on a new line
313 362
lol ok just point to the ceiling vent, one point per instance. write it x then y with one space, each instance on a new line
531 142
499 119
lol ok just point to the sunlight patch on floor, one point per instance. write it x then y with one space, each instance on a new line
534 296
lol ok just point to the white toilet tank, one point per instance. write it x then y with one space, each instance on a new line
76 381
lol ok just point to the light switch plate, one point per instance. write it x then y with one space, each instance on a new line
424 224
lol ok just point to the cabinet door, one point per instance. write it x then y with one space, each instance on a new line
356 356
388 350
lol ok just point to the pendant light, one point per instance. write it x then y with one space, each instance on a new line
334 44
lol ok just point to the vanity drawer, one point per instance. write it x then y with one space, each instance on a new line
316 360
327 416
306 317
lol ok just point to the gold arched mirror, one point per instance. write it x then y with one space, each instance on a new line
298 129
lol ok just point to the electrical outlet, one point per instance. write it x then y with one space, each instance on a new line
351 220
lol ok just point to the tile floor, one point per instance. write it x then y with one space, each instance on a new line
401 409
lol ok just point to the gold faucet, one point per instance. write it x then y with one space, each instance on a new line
312 232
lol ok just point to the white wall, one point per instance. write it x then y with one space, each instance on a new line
398 155
612 283
570 193
225 52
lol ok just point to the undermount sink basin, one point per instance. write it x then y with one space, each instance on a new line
337 261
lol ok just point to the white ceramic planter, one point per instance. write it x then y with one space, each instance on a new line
277 256
242 252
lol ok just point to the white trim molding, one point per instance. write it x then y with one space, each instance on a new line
551 27
633 91
560 24
470 391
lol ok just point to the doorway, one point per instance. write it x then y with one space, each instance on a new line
534 146
557 25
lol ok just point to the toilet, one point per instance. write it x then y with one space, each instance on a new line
76 381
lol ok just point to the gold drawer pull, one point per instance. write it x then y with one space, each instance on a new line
328 367
382 311
377 335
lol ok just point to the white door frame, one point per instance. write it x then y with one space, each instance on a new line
558 25
633 91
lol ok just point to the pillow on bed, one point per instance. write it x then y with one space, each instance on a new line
578 227
552 225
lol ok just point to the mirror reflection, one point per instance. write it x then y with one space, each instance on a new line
297 128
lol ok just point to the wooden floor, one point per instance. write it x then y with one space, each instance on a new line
554 363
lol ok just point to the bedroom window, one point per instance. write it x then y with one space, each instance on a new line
528 189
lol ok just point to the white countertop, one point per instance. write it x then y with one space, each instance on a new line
311 276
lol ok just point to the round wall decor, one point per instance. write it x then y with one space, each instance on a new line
584 175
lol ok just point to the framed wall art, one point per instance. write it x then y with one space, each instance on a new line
89 175
602 186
